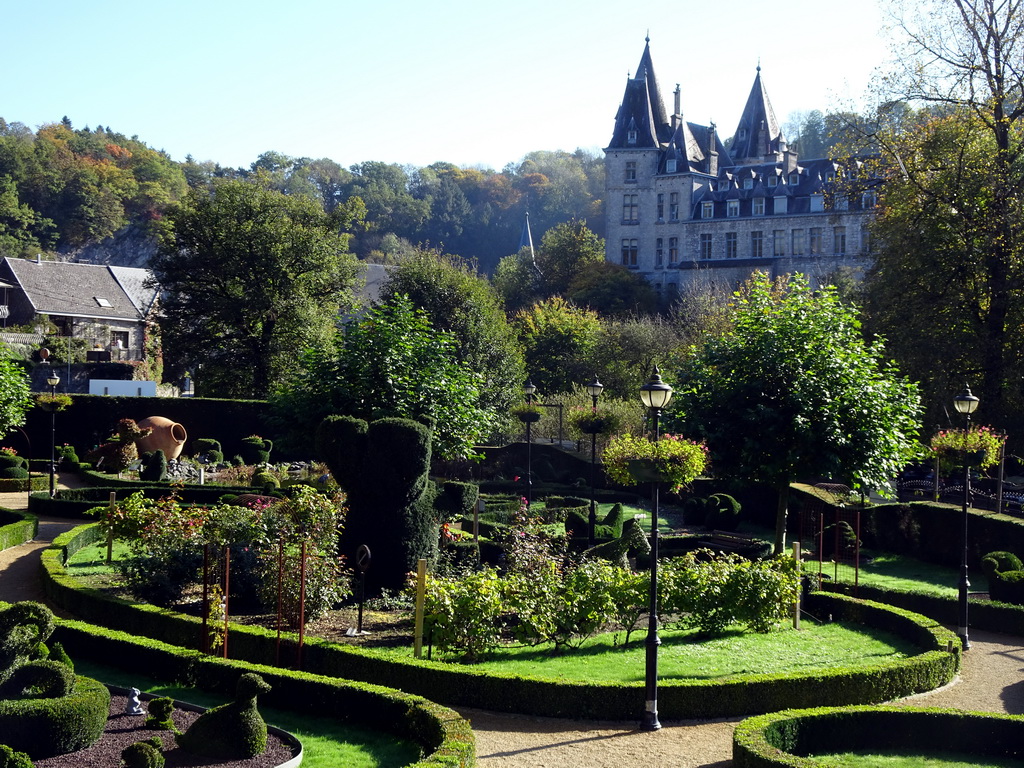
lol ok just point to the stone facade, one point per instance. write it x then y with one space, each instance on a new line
682 209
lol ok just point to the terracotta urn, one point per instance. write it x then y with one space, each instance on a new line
167 436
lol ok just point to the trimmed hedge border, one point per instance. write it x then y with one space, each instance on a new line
463 686
446 738
791 738
13 485
16 528
74 502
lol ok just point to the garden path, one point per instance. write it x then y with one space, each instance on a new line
992 680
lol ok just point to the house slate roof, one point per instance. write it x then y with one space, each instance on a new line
79 290
134 281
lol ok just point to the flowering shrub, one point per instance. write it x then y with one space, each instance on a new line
950 443
9 451
673 459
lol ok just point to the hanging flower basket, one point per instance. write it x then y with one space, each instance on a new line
631 460
589 422
526 413
53 402
979 446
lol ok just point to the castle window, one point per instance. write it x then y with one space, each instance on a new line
630 209
630 171
631 137
741 134
798 242
756 245
629 252
758 206
673 206
780 204
794 178
673 251
815 241
868 200
817 202
748 183
723 185
830 176
866 243
705 245
841 203
732 208
707 210
730 245
839 240
661 207
779 242
773 180
659 253
670 166
671 290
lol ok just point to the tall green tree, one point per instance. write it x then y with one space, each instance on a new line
559 340
793 391
250 277
951 210
460 302
566 251
15 396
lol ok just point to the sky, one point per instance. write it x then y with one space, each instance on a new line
471 82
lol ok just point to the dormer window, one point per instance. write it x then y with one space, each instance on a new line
757 206
830 176
742 134
723 185
817 202
631 137
670 166
748 183
773 181
707 210
794 178
732 208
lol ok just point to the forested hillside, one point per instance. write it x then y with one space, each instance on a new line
68 190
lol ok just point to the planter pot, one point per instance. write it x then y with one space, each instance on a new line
646 471
167 436
528 417
591 426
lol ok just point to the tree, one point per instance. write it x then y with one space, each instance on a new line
559 341
390 363
793 390
611 289
566 251
517 280
15 395
250 277
460 302
952 203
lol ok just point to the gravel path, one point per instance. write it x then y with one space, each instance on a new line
992 680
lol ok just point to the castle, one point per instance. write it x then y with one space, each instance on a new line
693 210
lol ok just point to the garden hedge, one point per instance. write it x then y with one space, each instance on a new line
16 528
75 502
792 738
55 726
446 738
455 685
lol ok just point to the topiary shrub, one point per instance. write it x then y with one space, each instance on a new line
265 480
13 473
233 731
208 449
721 512
11 759
237 461
68 455
8 461
1005 577
159 714
154 466
143 754
256 450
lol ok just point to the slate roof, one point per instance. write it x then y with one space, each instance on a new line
758 127
642 110
81 290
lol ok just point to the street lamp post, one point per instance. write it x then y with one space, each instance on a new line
594 389
965 403
528 391
655 395
53 380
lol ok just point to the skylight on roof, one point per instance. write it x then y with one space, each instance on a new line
102 302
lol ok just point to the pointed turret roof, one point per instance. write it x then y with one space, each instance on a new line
758 134
641 122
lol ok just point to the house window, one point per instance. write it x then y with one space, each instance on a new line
707 210
730 245
630 210
630 171
817 202
732 208
629 251
815 241
798 242
830 176
673 206
780 204
742 134
661 207
779 242
659 252
119 339
756 245
673 251
839 240
705 245
670 166
758 206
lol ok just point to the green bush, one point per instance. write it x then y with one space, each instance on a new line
56 726
232 731
256 449
1005 577
143 754
721 512
265 480
7 461
11 759
209 448
154 467
14 473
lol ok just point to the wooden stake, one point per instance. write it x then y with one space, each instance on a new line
421 596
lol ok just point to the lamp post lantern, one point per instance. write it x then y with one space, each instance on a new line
528 392
594 389
53 380
965 403
655 395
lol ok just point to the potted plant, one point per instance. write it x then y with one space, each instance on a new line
53 402
588 421
526 412
981 444
672 459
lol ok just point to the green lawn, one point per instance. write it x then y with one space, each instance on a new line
326 742
913 760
